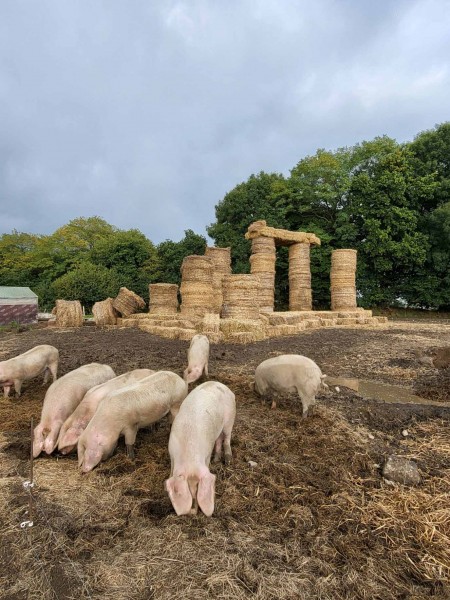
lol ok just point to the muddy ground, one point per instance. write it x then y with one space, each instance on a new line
312 519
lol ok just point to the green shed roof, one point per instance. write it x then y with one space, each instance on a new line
16 293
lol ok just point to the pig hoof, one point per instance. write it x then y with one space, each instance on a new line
273 405
228 459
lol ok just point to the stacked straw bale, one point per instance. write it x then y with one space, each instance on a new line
127 302
262 265
197 296
105 313
241 297
342 275
300 295
163 298
221 263
68 313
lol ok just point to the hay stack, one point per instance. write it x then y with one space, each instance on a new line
241 297
163 298
300 295
105 313
221 263
197 296
262 264
68 313
127 302
342 276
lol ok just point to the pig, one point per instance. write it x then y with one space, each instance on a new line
290 373
198 356
125 411
61 399
76 423
203 423
40 359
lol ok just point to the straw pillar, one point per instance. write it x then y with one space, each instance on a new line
342 276
221 262
196 288
163 298
262 265
300 295
240 297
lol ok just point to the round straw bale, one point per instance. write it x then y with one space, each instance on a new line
241 296
68 313
105 313
300 295
196 288
263 245
342 279
127 302
221 262
163 298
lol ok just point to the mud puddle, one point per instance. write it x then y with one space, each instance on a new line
393 394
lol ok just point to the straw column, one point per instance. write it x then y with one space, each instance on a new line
241 297
197 296
300 295
262 265
221 264
163 298
343 285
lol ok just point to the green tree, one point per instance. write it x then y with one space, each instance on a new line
132 256
171 255
260 197
87 283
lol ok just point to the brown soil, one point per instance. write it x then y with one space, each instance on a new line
313 518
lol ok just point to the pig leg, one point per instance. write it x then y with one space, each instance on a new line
218 448
227 429
307 401
46 374
17 386
54 370
130 438
6 390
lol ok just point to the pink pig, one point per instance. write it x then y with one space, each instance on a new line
61 399
198 356
75 425
204 422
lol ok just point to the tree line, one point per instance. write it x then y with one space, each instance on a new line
389 201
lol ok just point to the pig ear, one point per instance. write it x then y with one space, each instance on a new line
69 438
179 494
205 493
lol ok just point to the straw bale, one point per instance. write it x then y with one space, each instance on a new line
281 236
104 313
220 257
262 263
68 313
129 322
196 289
241 296
127 302
215 338
163 298
229 326
186 334
210 324
244 337
342 279
282 330
347 321
300 294
263 245
344 260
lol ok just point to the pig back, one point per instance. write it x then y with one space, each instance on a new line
202 415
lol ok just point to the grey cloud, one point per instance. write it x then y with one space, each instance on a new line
148 113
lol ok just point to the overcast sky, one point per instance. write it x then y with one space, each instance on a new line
147 113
